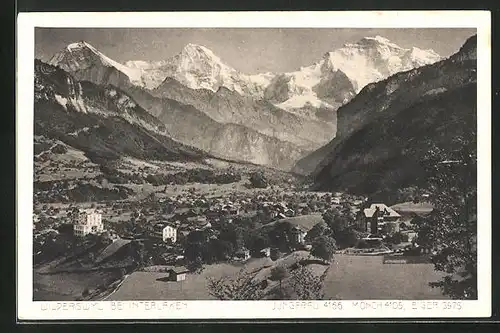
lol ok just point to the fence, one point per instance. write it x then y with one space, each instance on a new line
401 259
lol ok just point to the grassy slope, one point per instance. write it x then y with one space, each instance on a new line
361 277
348 278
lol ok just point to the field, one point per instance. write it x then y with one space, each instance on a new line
67 286
348 278
409 208
150 285
363 277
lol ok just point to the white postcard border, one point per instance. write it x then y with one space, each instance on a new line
153 310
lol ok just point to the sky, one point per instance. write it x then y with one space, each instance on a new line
250 50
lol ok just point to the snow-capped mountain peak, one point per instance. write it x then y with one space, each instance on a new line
78 45
328 83
342 73
199 50
198 67
379 40
82 55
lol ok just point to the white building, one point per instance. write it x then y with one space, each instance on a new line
88 222
169 233
299 234
165 231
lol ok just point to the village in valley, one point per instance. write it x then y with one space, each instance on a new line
179 231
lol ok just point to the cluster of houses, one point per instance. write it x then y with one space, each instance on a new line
198 213
298 233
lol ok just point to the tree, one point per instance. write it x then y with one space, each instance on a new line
362 244
281 236
275 254
194 252
323 247
279 273
319 229
241 286
346 237
257 241
306 285
451 228
258 180
230 233
397 238
221 249
335 221
195 264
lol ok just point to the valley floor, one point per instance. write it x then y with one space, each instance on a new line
348 278
144 203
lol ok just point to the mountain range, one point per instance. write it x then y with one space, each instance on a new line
330 82
107 122
386 130
273 119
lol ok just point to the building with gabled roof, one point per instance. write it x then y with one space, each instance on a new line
166 231
178 273
387 212
375 217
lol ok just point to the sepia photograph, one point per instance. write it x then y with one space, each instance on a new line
277 164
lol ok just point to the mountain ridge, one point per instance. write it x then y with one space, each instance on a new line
226 106
385 130
104 122
203 132
93 118
197 67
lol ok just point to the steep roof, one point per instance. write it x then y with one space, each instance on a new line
162 225
383 208
179 270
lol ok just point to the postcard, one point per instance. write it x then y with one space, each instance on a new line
253 165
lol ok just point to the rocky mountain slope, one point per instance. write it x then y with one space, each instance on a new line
197 77
226 106
107 122
104 122
272 118
86 63
189 125
387 128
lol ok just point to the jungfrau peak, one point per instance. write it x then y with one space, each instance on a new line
342 73
375 58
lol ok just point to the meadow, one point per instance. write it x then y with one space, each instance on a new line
367 277
348 278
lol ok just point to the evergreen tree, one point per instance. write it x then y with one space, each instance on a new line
451 228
